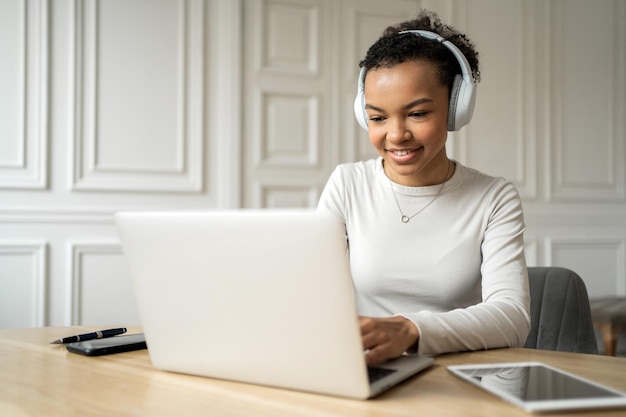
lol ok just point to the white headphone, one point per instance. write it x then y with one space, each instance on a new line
462 96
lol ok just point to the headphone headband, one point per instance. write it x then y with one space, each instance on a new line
466 69
462 94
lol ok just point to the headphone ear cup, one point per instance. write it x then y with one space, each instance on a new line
359 110
462 100
359 101
454 102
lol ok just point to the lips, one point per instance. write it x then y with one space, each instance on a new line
402 152
403 156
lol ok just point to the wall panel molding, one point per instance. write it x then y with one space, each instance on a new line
601 261
598 142
97 272
165 110
287 78
284 25
503 135
285 195
277 143
76 252
59 215
35 305
224 95
24 94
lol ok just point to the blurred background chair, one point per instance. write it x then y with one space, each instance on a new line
559 311
609 316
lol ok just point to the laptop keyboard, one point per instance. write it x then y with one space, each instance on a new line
375 373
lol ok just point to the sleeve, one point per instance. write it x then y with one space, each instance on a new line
502 318
333 195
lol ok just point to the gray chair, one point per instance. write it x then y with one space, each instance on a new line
559 312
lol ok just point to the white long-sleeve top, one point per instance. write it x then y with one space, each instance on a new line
457 269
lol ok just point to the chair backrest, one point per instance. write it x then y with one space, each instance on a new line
559 311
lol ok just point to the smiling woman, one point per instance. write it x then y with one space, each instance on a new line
436 248
407 110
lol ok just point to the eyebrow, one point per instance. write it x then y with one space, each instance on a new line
408 106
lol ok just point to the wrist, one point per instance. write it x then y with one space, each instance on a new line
414 348
413 335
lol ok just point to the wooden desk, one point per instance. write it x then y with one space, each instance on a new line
40 379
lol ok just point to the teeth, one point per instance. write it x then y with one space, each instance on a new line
401 153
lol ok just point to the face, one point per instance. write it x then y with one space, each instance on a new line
407 108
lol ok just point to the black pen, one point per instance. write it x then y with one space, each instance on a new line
100 334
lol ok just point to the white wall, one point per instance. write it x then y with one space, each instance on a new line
106 106
172 104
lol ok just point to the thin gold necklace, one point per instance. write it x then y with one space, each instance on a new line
403 217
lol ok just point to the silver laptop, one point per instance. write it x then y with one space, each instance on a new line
256 296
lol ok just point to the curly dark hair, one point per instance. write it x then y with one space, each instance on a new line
392 49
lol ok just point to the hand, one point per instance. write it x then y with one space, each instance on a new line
387 337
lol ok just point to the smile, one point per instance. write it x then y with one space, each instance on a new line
402 152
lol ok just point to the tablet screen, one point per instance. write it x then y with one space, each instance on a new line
536 386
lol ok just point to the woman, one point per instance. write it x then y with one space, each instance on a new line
436 248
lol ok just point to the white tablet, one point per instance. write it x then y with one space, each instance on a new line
537 387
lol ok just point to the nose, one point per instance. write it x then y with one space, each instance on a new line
397 131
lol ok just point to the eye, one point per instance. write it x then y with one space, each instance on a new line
418 114
376 119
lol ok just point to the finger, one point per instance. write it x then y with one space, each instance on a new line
367 324
376 355
371 340
372 334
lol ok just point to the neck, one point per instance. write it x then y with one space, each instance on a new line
438 176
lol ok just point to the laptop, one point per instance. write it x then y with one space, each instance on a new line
256 296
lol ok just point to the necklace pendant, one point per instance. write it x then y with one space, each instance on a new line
404 218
